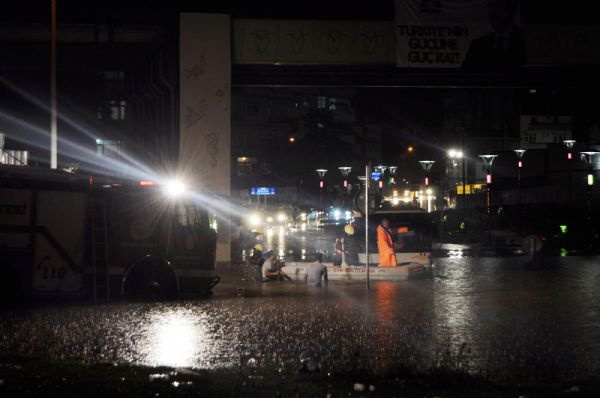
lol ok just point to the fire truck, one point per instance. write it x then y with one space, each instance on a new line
72 235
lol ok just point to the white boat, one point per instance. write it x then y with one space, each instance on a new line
409 224
419 267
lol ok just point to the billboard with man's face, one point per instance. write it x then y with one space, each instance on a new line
477 34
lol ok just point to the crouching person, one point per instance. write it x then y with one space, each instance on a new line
316 272
269 268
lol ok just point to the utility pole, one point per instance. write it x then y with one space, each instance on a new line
53 123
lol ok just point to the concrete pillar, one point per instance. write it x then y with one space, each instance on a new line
205 111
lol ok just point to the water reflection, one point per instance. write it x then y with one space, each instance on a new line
173 339
489 314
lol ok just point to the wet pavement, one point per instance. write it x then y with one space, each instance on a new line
497 317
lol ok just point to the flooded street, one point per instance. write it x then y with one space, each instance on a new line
492 316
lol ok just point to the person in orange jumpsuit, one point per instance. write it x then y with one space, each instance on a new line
385 245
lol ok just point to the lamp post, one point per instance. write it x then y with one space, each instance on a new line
569 144
345 170
488 160
588 158
321 173
426 165
393 170
519 153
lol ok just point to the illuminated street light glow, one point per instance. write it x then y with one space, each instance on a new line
254 220
345 170
426 164
588 156
520 153
381 168
174 188
455 153
569 143
488 159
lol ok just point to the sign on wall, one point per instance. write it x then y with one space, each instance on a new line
262 191
478 34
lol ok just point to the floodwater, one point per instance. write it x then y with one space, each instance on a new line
492 316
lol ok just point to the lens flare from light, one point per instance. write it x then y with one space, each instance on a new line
174 189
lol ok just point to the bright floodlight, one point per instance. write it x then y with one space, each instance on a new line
455 153
426 164
520 153
569 143
174 188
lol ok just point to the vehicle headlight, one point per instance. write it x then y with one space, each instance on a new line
254 220
174 189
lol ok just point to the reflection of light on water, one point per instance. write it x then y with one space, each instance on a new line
174 339
455 253
303 227
281 241
269 238
303 256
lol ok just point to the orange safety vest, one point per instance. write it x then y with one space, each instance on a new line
385 244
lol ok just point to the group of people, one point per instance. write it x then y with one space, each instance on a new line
348 245
271 269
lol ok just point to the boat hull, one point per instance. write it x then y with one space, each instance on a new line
411 270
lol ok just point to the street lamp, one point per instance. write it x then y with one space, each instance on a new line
321 173
393 170
519 153
588 158
488 160
569 144
381 169
426 165
345 170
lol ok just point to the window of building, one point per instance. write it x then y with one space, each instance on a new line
321 102
245 166
113 110
113 75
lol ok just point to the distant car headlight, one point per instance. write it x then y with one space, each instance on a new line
281 217
269 219
254 220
